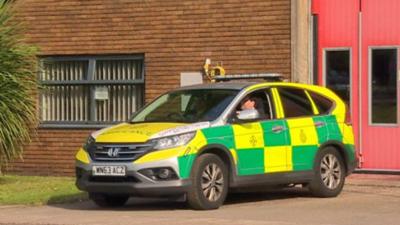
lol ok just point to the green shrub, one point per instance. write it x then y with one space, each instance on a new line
18 85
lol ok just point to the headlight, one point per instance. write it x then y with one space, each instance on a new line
173 141
89 143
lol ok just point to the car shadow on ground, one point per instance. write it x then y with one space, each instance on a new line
163 204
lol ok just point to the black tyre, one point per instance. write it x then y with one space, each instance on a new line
105 200
209 183
329 173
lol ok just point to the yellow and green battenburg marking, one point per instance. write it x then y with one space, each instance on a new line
256 149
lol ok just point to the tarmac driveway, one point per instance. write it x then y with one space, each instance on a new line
366 200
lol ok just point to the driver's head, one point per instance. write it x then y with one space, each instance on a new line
248 103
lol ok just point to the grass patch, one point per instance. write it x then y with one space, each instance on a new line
33 190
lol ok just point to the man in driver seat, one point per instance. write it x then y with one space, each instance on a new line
252 102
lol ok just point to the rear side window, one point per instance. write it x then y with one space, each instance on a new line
295 102
323 104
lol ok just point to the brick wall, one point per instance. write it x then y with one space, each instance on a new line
174 36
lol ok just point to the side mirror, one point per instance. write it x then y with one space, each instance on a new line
248 115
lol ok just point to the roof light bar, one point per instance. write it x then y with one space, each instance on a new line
265 76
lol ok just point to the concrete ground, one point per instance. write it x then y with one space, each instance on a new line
365 200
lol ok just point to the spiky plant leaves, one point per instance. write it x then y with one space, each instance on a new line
18 86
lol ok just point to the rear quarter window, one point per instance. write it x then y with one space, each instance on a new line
323 104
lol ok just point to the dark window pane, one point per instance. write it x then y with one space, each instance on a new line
295 102
323 104
384 86
338 73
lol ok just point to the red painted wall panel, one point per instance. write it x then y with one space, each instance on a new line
381 27
339 25
338 28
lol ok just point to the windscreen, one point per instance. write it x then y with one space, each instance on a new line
187 106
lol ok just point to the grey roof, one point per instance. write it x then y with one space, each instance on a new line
220 85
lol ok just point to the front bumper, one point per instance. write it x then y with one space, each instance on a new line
134 183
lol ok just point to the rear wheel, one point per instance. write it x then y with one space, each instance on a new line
209 183
329 173
105 200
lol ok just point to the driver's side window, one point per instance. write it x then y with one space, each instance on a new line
260 100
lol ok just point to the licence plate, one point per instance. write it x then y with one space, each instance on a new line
109 171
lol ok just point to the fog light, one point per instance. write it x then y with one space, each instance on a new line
149 173
164 173
160 174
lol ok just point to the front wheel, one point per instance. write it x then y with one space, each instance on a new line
209 183
105 200
329 173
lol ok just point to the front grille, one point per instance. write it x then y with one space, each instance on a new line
129 152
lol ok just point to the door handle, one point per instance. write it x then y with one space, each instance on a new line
319 124
277 129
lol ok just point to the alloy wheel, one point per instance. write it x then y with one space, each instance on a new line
212 182
331 171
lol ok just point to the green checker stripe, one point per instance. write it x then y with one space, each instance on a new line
272 139
333 128
251 161
303 157
185 165
220 135
322 131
